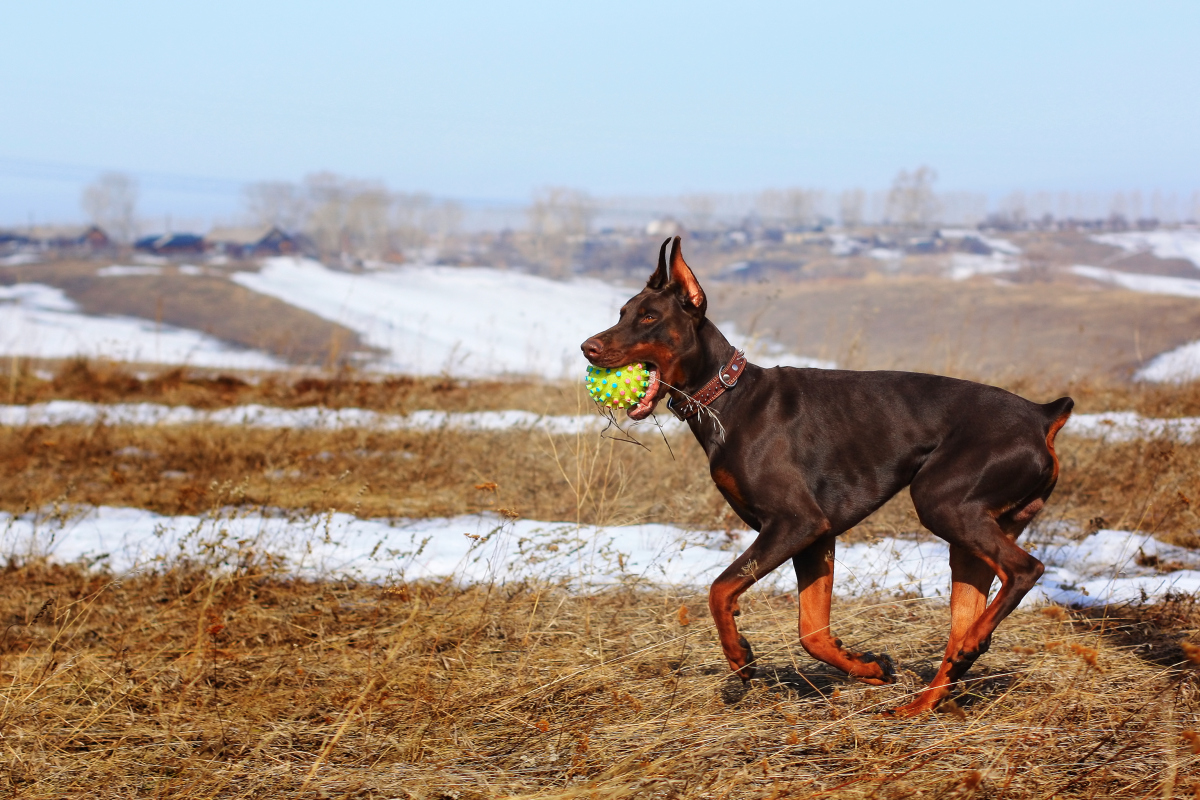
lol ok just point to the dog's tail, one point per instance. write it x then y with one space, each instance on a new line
1057 413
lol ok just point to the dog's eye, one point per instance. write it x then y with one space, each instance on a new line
649 318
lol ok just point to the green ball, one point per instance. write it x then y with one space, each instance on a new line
621 387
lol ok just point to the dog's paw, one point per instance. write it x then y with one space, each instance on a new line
885 666
883 672
743 667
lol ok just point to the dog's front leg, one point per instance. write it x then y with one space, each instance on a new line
774 545
814 573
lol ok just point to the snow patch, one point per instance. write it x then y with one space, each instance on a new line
843 245
74 412
1174 366
17 259
466 321
967 265
120 270
1137 282
1129 426
1183 244
1101 568
1115 426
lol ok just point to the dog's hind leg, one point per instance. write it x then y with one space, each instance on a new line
978 551
970 580
774 545
814 573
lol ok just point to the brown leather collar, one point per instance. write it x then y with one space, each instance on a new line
726 379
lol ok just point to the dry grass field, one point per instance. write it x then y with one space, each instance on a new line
197 681
974 329
188 683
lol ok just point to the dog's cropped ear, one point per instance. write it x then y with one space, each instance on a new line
660 277
689 287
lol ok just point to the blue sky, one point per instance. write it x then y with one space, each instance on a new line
490 101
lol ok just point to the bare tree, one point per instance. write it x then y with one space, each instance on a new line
768 204
852 207
558 219
1135 206
276 203
911 201
111 202
411 220
325 222
700 208
443 219
801 207
1014 208
366 221
559 211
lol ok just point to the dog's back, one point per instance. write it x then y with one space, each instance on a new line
859 437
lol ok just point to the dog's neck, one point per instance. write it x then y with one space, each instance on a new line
706 360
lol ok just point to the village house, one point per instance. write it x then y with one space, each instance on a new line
66 239
170 244
244 243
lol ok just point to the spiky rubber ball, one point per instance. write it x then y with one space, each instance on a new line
621 387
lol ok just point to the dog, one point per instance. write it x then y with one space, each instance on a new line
803 455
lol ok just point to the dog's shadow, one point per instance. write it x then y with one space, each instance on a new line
982 689
782 680
787 681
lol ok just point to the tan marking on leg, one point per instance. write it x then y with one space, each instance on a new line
814 571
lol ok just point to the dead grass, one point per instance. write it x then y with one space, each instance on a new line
190 684
33 381
1151 486
974 329
180 469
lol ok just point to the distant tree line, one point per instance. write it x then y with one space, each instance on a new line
362 220
351 217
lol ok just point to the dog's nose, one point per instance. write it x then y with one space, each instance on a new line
592 348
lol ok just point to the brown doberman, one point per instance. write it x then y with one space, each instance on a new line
803 455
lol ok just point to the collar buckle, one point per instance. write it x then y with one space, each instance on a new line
726 378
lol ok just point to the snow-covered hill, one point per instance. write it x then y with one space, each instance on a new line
468 321
425 320
41 321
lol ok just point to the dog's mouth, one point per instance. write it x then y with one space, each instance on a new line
645 406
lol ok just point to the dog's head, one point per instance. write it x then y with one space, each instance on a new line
658 327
